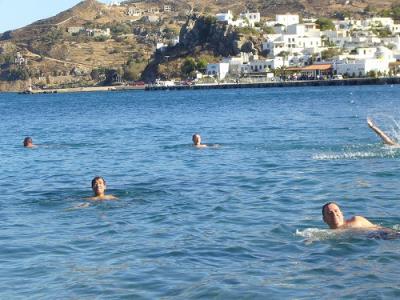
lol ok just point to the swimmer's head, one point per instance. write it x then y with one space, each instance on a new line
98 186
196 138
332 215
28 142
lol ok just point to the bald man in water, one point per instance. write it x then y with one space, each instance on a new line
333 216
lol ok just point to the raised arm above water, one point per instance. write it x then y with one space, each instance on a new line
386 139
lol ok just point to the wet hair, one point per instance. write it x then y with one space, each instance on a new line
97 178
325 205
27 141
194 136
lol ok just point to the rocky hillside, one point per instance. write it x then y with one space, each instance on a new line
202 39
74 46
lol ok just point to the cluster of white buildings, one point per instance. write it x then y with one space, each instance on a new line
136 11
20 60
297 45
93 32
247 19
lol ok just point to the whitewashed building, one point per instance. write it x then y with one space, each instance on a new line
250 18
225 17
135 11
361 67
287 19
75 29
292 43
20 60
218 70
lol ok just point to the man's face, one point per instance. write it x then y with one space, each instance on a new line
99 187
197 139
333 216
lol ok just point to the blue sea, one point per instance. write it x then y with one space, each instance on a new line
240 219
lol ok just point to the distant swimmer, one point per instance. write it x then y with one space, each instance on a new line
333 216
99 187
386 139
28 143
196 138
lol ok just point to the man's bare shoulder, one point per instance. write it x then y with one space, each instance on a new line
105 197
358 222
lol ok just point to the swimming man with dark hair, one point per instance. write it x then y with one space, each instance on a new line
99 187
333 216
28 143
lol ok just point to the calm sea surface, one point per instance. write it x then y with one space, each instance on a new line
240 220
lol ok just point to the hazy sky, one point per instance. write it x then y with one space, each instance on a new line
18 13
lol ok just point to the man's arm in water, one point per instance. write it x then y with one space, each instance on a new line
387 140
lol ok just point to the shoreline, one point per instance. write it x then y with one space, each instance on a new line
84 89
269 84
273 84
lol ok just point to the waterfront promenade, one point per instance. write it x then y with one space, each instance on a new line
272 84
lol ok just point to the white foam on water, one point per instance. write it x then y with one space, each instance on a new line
315 234
311 235
385 152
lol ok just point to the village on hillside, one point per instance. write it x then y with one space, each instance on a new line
316 48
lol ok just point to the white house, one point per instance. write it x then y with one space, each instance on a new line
392 42
361 67
251 18
75 29
395 28
292 43
378 22
219 70
338 37
20 60
225 17
287 19
161 46
135 11
98 32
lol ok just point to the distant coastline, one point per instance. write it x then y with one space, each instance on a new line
269 84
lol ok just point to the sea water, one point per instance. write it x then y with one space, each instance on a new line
238 220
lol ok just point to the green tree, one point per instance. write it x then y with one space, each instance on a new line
329 53
112 75
18 74
188 66
201 64
372 74
325 24
98 74
268 29
133 70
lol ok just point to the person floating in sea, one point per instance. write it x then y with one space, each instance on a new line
386 139
28 143
196 138
99 187
333 216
